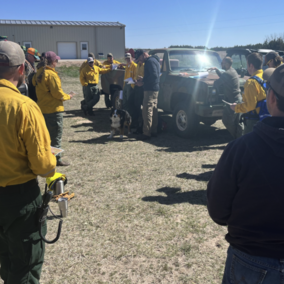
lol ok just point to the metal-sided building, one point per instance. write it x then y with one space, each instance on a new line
70 40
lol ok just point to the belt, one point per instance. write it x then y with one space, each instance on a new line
17 188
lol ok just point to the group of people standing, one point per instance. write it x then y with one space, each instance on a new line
243 113
145 73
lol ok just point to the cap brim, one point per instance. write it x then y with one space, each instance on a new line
58 57
36 57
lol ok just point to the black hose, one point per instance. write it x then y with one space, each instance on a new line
57 236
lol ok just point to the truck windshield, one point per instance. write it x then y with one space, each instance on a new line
195 60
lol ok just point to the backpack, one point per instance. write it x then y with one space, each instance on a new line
263 111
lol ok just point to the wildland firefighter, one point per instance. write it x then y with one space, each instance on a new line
25 154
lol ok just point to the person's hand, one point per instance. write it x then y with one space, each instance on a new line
72 94
139 83
212 69
233 106
140 78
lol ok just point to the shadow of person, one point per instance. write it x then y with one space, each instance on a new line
174 196
200 177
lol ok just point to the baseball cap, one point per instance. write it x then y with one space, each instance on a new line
276 80
127 55
33 52
267 73
109 55
13 52
138 53
51 56
3 38
90 59
270 55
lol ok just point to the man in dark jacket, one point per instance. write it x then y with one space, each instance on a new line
229 84
246 194
150 82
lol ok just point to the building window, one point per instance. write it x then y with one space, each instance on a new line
27 44
84 46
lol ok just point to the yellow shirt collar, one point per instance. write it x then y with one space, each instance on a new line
8 84
52 69
258 73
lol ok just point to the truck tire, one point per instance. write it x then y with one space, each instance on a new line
185 120
116 102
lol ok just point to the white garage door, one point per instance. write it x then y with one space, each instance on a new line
67 50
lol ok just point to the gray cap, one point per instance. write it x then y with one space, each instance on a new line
127 55
90 59
267 73
277 80
109 55
14 53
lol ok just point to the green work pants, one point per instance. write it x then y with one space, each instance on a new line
91 95
231 120
248 125
21 247
54 123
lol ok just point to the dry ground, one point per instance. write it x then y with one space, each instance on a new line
139 215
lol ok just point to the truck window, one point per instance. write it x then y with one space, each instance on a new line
193 60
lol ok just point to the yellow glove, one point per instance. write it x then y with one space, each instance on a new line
51 181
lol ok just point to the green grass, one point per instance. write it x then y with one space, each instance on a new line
71 71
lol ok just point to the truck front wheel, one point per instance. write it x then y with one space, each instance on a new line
185 120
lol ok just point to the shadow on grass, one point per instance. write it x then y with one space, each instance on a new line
104 140
200 177
174 196
208 138
209 166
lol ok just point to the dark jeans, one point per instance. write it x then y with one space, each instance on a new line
54 124
91 95
242 268
128 99
21 248
138 102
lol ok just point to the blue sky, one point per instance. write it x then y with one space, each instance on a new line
153 24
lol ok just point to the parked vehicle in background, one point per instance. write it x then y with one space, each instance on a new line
239 56
186 91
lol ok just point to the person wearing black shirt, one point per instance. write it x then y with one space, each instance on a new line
246 194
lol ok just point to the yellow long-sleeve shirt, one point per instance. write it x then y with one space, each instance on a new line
139 70
107 63
130 72
24 139
85 63
253 93
50 95
90 75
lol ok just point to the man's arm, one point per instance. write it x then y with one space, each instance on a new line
249 99
104 71
56 90
222 187
83 79
35 136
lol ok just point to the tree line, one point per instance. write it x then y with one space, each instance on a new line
275 42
